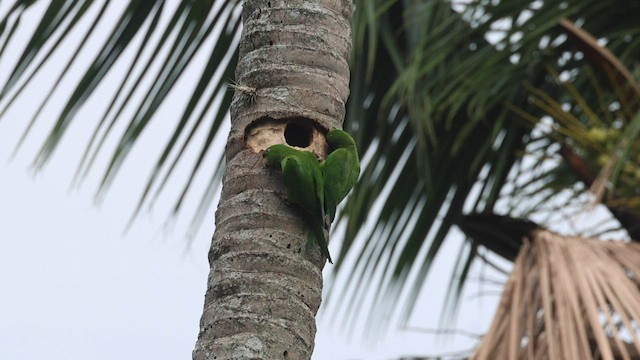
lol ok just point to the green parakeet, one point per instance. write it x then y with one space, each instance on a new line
303 186
340 170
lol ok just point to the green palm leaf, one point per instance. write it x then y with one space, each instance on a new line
168 51
446 115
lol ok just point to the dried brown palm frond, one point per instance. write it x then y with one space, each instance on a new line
568 298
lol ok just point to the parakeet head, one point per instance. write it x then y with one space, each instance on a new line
339 139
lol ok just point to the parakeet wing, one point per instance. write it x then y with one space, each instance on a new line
303 182
303 185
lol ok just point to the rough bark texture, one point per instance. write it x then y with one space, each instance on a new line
265 284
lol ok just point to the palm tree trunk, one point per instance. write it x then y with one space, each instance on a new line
265 283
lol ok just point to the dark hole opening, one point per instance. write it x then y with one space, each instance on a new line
296 134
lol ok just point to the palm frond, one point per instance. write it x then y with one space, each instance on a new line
596 126
161 54
419 152
445 127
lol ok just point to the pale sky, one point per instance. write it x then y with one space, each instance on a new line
74 287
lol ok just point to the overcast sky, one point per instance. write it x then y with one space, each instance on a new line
72 286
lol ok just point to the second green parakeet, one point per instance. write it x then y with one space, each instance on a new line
303 185
340 170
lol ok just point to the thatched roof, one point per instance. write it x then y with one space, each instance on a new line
568 298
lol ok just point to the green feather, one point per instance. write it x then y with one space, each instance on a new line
340 170
303 185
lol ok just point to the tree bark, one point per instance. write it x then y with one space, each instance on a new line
265 283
